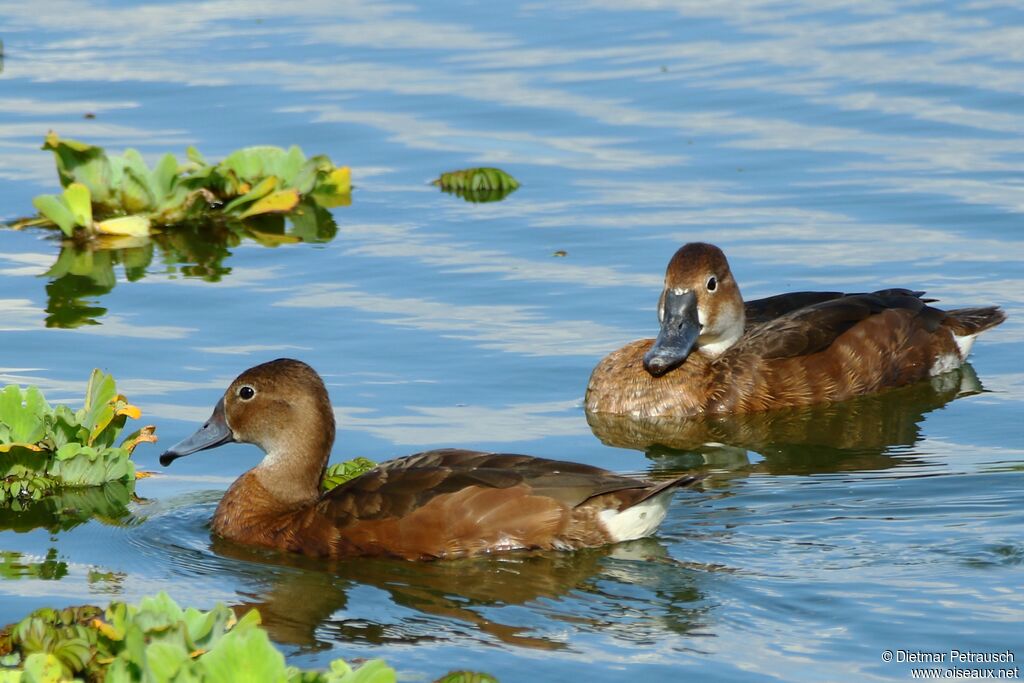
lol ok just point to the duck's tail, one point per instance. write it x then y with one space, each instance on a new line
968 323
677 483
641 516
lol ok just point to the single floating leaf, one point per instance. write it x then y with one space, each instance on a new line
78 199
484 184
55 210
281 201
128 226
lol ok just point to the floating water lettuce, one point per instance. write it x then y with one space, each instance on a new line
156 640
43 449
478 184
106 194
341 472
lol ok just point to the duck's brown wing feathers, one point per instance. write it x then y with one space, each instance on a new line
397 487
814 328
452 503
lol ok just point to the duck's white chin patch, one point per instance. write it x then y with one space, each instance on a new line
638 521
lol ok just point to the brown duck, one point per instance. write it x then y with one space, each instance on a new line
438 504
717 354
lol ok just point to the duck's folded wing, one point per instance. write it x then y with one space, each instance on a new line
814 328
398 487
759 311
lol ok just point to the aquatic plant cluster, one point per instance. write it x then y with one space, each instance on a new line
156 640
43 449
60 467
106 194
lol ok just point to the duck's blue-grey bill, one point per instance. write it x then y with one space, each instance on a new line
212 434
679 331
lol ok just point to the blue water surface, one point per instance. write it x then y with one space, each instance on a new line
836 145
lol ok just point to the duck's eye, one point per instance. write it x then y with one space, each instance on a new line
712 283
245 393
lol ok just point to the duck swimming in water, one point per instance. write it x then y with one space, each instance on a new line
437 504
716 354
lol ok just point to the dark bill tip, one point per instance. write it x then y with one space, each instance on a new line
212 434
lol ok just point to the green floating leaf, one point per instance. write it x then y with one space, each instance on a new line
83 163
478 184
341 472
466 677
54 209
78 199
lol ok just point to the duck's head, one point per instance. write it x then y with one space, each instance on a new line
700 308
281 406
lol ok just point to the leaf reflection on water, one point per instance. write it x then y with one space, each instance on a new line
82 273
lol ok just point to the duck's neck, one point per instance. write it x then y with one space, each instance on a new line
292 470
720 334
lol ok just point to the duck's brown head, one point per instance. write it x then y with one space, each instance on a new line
700 308
281 406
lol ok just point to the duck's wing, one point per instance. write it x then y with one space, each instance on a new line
398 487
813 328
760 311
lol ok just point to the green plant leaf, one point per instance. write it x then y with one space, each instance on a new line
244 655
164 175
194 156
341 472
84 163
43 668
23 414
373 671
478 184
78 199
262 189
466 677
98 410
165 659
54 209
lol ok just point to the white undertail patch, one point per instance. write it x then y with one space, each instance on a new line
964 343
639 520
951 361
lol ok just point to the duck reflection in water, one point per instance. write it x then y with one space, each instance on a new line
309 603
858 434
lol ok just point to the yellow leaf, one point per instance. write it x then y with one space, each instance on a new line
106 629
135 226
336 190
144 435
196 653
142 474
5 447
275 202
341 178
129 410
